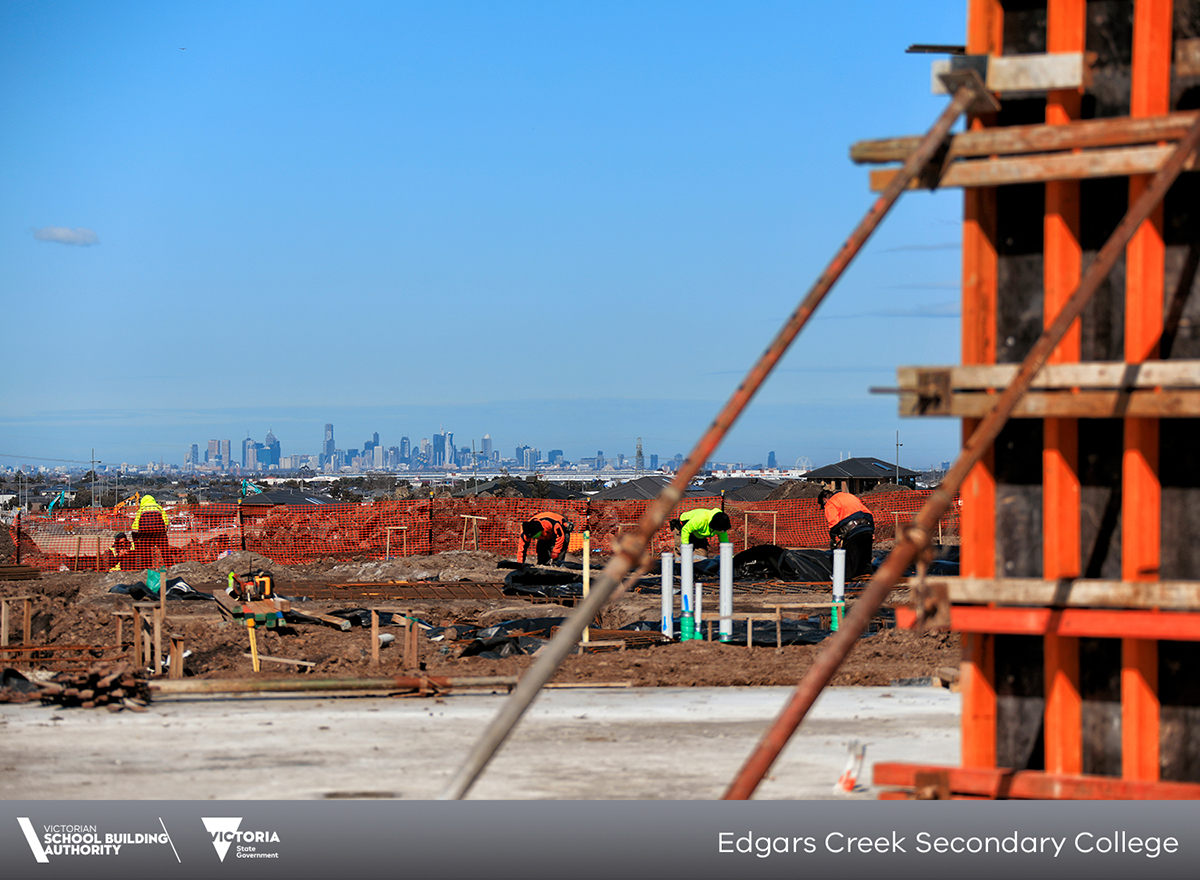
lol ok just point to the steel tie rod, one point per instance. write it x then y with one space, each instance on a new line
915 540
633 544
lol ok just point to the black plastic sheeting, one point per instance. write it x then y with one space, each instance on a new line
517 637
763 562
177 588
11 680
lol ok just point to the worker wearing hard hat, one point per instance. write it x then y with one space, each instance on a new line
695 527
851 527
551 531
150 534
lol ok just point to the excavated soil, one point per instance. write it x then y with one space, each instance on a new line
76 608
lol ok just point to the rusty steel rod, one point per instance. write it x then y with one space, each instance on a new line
632 545
887 575
286 685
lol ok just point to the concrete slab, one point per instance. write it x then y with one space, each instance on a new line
589 744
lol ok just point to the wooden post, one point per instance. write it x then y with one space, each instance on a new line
250 628
159 615
374 637
474 530
176 670
412 653
138 651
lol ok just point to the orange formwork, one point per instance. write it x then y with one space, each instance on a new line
1136 675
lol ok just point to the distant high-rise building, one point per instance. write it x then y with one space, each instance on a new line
771 460
328 447
405 449
214 452
226 454
520 456
248 453
377 452
439 449
271 450
639 461
555 456
193 455
486 447
653 461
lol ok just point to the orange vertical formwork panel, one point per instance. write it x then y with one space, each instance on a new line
985 35
1066 29
1141 489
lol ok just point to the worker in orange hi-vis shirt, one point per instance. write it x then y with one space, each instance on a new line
550 530
851 527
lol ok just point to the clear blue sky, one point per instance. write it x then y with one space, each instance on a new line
567 225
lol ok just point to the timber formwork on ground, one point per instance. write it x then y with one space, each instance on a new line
1079 600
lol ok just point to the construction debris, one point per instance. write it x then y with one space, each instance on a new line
114 686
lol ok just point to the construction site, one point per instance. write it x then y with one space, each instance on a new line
1024 631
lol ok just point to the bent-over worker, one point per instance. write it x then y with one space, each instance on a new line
695 527
851 527
119 552
550 530
150 533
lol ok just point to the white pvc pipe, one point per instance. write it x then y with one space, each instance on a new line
698 605
686 552
725 600
839 575
668 594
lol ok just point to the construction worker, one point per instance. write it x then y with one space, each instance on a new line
149 533
551 531
695 527
851 527
120 551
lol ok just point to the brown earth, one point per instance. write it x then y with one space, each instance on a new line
75 608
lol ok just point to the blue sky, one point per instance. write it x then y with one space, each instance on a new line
567 225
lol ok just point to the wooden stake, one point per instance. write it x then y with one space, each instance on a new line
253 644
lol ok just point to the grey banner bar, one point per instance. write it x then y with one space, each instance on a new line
598 839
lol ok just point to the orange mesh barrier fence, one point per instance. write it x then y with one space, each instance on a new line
83 540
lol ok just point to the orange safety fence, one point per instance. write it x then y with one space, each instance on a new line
82 540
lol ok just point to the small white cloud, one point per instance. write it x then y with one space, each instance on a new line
63 235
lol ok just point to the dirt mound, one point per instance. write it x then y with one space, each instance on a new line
795 489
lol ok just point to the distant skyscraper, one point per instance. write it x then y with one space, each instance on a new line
271 448
226 454
327 448
405 449
439 449
771 460
214 452
248 457
486 447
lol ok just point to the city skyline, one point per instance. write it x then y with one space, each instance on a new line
250 454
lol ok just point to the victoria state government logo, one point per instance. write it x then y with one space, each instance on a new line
226 832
